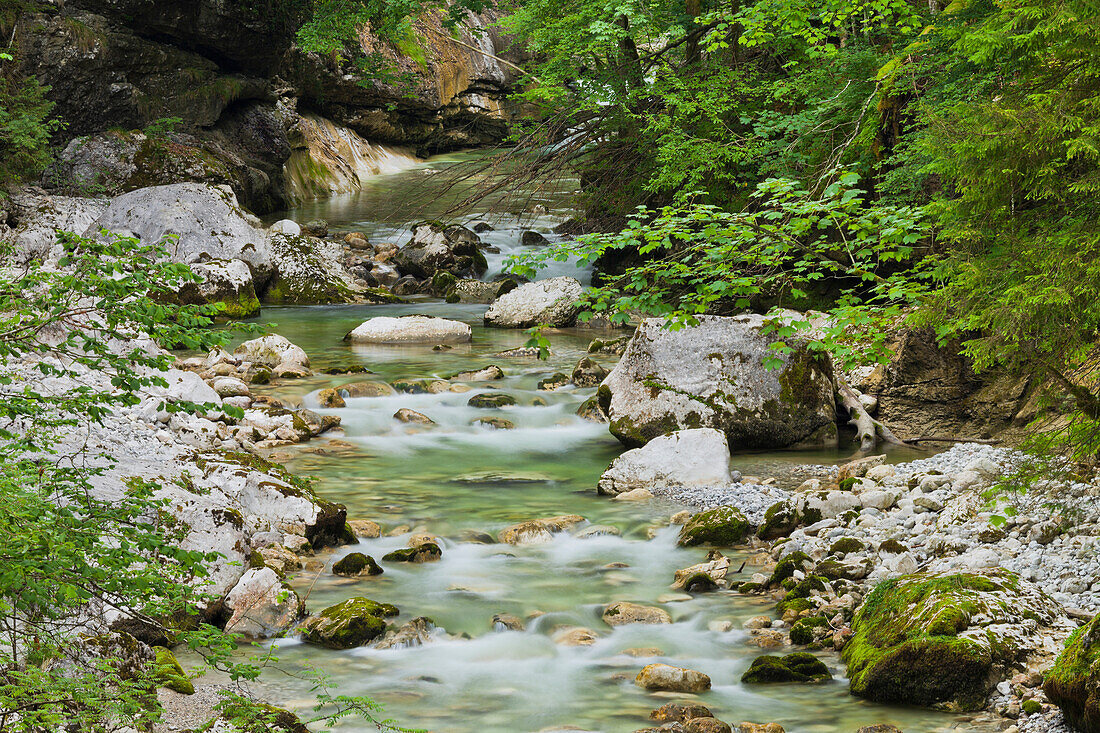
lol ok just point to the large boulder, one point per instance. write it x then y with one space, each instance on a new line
228 282
37 220
262 605
205 223
434 248
349 624
550 302
685 458
1073 683
410 330
797 667
720 374
944 641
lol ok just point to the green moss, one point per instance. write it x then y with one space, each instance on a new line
167 672
798 605
1073 683
700 583
723 526
846 545
352 623
906 648
489 401
780 520
1031 707
786 567
847 483
427 552
356 563
796 667
802 632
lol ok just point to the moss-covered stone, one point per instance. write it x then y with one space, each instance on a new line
356 563
426 552
167 672
1073 683
786 567
780 520
796 667
722 526
490 401
352 623
1032 706
700 583
893 547
845 545
803 630
798 605
914 643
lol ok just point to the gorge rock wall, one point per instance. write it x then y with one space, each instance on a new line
233 84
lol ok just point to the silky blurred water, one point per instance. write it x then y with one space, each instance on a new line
454 477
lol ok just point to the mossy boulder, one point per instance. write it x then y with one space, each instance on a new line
802 632
786 567
941 640
167 672
846 545
1073 683
718 374
354 564
722 526
352 623
491 401
426 552
780 520
797 667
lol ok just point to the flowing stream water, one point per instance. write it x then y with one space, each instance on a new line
455 478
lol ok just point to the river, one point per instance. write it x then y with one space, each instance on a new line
455 478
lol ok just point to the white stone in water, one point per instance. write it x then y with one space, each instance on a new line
286 226
262 604
698 457
410 330
551 302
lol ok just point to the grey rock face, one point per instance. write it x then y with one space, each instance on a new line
551 302
714 375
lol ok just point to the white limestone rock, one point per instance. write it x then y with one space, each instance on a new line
686 458
550 302
410 330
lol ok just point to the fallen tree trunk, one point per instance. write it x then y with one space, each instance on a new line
868 430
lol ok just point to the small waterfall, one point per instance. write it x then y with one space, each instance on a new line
330 159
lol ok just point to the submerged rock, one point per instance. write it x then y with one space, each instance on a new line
674 712
409 330
723 526
684 458
506 622
491 401
666 678
349 624
797 667
1073 683
550 302
576 636
624 612
538 531
718 374
485 374
938 640
406 415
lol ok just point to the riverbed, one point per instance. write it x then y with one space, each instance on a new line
460 480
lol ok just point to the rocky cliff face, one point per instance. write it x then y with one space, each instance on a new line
234 83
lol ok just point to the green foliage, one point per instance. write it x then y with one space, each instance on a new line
79 341
699 258
25 127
